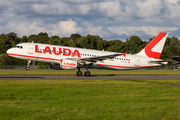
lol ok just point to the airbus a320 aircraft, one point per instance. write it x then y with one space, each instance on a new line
62 57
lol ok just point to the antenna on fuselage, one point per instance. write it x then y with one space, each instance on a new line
32 41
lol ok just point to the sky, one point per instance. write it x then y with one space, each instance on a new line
110 19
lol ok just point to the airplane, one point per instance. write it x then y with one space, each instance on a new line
63 57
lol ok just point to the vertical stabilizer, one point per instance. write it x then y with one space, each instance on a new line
154 48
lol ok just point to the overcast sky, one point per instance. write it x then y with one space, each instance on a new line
110 19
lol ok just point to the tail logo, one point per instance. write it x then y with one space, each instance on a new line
149 47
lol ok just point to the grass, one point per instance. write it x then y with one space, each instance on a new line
93 72
89 100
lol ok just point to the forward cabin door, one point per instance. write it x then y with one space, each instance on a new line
30 49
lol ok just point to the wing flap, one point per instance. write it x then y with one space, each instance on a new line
100 58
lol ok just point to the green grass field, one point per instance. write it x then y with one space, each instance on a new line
89 100
93 72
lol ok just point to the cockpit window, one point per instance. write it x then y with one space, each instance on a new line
18 47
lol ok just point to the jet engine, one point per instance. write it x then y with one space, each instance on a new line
64 64
69 64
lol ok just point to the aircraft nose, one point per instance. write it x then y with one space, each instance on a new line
9 51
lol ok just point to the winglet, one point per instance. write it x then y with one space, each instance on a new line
124 54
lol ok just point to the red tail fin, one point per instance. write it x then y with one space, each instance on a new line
154 48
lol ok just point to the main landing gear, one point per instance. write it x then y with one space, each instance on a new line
28 62
79 73
86 73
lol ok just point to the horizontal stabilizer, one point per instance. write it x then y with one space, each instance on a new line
162 62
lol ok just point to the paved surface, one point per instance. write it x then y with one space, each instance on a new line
93 77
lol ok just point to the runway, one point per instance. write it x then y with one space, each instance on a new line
93 77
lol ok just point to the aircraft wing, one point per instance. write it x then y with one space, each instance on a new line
99 58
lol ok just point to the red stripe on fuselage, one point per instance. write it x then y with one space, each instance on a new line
33 57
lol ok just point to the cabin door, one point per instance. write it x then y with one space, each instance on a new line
137 61
30 49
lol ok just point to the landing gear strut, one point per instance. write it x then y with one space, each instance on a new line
28 62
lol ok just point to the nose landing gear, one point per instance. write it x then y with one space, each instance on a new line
28 62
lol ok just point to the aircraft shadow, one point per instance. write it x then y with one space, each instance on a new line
102 75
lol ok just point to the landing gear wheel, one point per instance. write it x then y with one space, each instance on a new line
87 73
79 73
27 68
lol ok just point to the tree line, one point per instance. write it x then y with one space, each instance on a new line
132 45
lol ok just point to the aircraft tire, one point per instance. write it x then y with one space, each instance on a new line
79 73
27 68
87 73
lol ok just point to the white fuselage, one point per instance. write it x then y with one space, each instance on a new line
55 54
